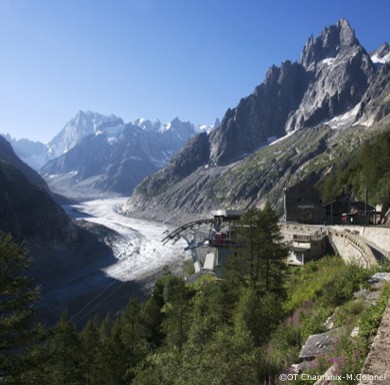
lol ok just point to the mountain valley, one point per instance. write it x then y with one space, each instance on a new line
302 123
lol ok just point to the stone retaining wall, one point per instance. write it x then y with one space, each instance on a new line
376 369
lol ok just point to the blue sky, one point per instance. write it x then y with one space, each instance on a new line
154 58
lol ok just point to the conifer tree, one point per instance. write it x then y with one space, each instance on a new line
91 347
103 359
258 256
228 358
116 356
272 270
258 313
177 309
39 371
153 316
65 354
133 337
17 296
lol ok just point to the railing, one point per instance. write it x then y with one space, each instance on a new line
358 244
317 236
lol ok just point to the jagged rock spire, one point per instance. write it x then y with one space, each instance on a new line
329 43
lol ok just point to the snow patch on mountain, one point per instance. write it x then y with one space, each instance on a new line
381 56
344 120
382 60
282 138
328 61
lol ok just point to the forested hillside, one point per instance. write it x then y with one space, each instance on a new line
367 168
246 328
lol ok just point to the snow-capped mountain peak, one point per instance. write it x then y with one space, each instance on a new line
104 155
83 124
147 124
157 141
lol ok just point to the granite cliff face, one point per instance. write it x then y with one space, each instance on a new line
331 78
259 116
336 84
28 212
375 104
193 155
340 71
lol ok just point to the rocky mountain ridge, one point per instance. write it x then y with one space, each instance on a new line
331 78
335 81
94 155
84 123
114 159
30 214
7 154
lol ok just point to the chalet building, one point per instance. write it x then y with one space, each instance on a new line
335 209
360 213
302 204
344 211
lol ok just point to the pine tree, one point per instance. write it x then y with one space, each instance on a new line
65 354
102 371
258 256
91 346
177 309
258 313
39 371
153 316
117 357
272 270
133 337
257 272
228 358
17 296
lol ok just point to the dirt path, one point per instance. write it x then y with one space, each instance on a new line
376 369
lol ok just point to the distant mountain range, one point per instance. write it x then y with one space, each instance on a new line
333 94
95 155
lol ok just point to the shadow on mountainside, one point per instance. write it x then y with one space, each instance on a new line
74 281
